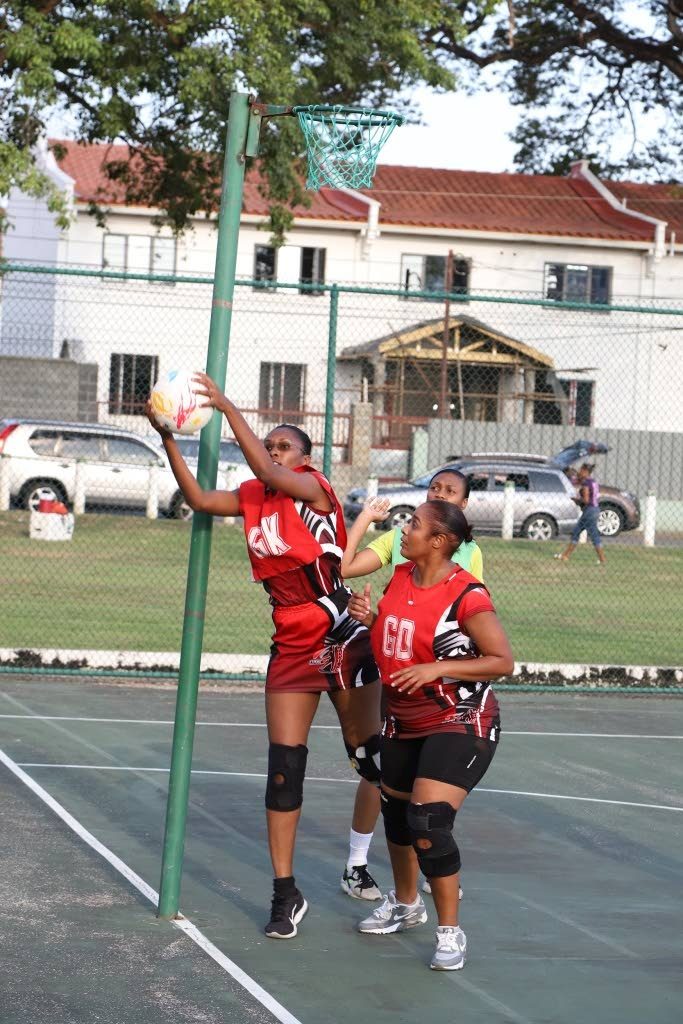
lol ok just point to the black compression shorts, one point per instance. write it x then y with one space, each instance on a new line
451 757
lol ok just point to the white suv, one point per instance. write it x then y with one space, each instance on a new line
114 463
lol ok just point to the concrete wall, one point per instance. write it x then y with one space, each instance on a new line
51 389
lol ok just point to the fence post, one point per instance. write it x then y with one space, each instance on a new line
331 374
79 489
508 510
650 520
153 491
419 452
4 483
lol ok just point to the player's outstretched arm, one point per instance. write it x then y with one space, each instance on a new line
296 485
216 503
360 563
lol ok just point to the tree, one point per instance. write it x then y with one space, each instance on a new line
595 69
156 74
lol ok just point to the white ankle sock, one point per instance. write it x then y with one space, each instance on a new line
359 844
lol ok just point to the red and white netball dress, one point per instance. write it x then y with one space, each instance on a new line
295 551
420 625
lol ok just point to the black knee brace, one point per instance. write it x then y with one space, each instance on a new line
431 828
286 770
395 824
365 759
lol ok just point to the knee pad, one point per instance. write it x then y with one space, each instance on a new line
431 828
394 812
365 759
286 770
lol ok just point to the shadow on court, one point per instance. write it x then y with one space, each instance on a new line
572 860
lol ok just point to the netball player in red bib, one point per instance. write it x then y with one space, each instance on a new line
437 643
294 528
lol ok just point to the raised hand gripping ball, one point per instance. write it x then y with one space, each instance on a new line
177 406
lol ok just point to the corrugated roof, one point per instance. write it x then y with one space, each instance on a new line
533 204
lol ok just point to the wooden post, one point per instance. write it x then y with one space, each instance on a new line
444 404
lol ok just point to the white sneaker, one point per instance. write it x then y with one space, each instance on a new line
392 916
359 883
426 887
451 949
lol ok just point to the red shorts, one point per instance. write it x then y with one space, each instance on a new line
315 650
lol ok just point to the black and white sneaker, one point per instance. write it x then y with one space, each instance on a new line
359 883
285 913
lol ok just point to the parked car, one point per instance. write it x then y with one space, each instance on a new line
543 505
544 492
115 465
231 460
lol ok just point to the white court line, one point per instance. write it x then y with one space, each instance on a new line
584 799
352 782
186 926
262 725
563 919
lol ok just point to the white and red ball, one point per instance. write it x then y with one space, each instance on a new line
176 404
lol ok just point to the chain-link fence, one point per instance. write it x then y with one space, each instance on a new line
517 391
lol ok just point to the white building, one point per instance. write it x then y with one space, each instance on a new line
541 239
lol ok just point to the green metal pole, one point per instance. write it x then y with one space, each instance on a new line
331 374
200 543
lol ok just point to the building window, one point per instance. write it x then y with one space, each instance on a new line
428 274
142 254
573 282
282 391
558 402
115 252
131 379
265 263
162 256
312 269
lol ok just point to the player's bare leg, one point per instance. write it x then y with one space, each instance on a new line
402 907
451 942
289 717
358 711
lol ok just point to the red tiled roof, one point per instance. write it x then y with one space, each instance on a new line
84 163
665 202
517 204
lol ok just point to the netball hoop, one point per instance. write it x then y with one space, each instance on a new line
343 143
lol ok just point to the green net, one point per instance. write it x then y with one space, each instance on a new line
343 143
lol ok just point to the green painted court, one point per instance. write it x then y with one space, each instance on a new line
572 865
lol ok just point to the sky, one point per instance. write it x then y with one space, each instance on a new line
459 132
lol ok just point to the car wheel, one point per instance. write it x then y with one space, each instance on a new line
180 509
610 521
36 491
539 527
399 516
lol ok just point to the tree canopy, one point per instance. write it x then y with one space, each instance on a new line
156 74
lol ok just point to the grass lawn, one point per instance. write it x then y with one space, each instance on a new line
120 585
